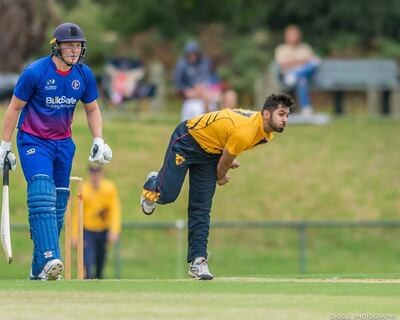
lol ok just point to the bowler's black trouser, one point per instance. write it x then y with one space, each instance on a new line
183 154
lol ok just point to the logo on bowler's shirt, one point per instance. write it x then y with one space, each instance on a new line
50 84
30 151
75 85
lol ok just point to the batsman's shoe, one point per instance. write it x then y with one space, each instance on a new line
149 198
32 277
198 269
51 271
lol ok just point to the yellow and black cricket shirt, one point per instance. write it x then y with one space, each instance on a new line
236 130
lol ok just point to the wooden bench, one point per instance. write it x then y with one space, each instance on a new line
379 78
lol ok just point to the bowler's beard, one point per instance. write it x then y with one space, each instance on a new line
275 127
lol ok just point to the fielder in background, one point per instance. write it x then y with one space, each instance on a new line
207 146
44 99
102 220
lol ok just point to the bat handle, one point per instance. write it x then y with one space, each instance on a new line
6 172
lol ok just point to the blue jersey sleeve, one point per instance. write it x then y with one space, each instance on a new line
25 86
91 92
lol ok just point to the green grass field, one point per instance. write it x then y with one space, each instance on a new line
224 298
347 170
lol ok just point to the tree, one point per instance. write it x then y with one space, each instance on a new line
23 28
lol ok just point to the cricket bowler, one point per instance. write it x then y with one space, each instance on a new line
44 99
207 146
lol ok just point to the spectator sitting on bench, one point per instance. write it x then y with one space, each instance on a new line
297 63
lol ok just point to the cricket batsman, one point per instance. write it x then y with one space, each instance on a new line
207 146
45 98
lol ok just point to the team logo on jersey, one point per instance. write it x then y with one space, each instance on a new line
30 151
179 159
75 85
50 84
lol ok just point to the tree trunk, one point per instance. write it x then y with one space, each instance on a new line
23 28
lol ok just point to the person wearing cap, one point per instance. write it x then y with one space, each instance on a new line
192 69
196 81
102 220
43 104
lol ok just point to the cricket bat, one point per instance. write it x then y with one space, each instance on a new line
5 234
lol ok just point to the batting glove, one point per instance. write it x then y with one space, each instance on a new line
5 152
100 152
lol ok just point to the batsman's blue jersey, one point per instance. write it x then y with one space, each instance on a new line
51 97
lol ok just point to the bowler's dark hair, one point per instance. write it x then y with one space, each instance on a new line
275 100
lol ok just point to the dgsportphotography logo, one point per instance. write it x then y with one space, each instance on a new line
363 316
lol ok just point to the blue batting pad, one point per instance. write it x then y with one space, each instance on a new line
43 221
61 206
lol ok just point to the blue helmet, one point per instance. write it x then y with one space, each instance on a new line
67 32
